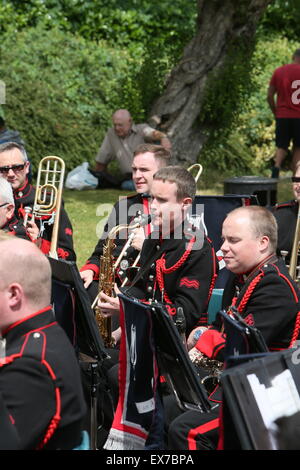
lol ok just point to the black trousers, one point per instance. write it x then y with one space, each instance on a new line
191 430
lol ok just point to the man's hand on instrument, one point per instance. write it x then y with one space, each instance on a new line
194 354
109 305
138 239
194 336
87 276
32 230
116 334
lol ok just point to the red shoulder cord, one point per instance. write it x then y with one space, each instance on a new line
161 269
248 294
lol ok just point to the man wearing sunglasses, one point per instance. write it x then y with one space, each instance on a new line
8 220
14 167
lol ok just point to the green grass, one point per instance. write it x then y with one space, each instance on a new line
88 211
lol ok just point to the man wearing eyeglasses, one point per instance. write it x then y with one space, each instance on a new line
8 220
14 167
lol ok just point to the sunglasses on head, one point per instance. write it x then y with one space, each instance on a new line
15 168
4 204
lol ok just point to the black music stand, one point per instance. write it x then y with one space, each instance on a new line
173 359
87 338
72 308
211 212
241 338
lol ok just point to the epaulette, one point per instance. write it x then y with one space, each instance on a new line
285 204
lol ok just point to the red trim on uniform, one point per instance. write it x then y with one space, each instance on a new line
214 424
92 267
10 327
11 419
45 246
189 283
146 210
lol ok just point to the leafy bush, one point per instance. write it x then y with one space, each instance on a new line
251 142
61 91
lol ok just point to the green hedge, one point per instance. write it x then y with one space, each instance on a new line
61 91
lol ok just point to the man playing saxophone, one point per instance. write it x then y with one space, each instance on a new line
264 295
147 160
177 268
178 263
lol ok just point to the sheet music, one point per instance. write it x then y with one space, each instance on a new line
281 399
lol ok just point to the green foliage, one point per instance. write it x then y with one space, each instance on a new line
117 21
282 17
60 91
73 62
249 146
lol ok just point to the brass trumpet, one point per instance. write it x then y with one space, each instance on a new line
48 195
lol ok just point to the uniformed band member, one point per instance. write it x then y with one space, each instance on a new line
178 265
147 160
14 167
40 381
265 297
286 216
8 220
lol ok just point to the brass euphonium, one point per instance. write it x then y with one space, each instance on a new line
48 195
107 274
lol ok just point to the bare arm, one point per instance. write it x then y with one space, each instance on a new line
100 166
163 139
271 98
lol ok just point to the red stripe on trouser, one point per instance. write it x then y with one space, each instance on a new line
201 430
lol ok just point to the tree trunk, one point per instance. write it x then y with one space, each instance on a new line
220 23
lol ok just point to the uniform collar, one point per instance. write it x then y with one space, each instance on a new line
35 321
23 191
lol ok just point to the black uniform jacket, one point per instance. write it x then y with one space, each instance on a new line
286 217
40 383
266 298
123 213
179 273
25 197
16 227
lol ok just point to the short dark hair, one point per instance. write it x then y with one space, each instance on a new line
13 145
185 182
263 222
159 152
2 122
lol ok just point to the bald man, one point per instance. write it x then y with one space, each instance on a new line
39 374
121 141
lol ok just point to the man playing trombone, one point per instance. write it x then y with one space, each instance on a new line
14 167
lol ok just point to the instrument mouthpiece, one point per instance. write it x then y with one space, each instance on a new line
145 219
